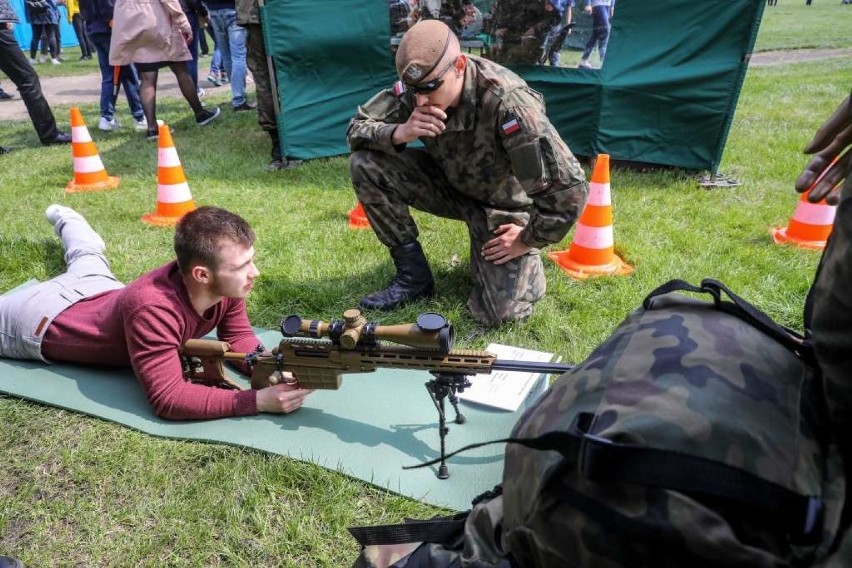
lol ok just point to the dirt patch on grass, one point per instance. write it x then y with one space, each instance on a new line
783 57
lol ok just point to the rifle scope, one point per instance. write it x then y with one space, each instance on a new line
431 331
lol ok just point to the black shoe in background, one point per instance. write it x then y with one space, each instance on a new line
60 138
4 150
282 164
4 96
245 106
207 116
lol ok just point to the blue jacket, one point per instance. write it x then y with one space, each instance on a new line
97 14
41 11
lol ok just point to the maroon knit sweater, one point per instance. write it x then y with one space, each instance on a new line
142 326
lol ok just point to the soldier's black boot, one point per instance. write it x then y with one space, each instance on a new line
277 161
413 279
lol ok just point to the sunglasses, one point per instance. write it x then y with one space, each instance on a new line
433 85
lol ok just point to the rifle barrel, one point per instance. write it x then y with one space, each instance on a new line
530 366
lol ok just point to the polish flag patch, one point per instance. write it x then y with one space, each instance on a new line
510 126
398 88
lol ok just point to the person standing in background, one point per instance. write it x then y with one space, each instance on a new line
197 14
248 16
15 65
72 8
231 42
97 15
43 16
601 12
153 35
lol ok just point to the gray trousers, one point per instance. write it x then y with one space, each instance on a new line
26 314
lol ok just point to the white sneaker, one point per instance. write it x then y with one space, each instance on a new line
141 124
201 93
106 124
55 61
33 61
55 212
58 215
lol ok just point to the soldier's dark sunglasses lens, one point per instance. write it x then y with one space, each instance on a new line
427 88
432 85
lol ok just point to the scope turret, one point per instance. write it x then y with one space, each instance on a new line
430 331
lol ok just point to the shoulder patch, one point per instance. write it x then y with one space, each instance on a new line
398 88
510 126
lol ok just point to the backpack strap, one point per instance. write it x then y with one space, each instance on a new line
441 531
602 460
740 308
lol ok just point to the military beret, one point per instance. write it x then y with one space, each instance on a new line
421 50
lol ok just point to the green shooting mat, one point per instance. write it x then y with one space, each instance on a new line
369 428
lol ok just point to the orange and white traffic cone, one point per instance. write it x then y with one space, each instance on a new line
810 225
358 218
89 172
592 250
173 197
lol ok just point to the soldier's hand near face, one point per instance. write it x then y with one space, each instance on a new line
828 143
424 121
281 398
506 245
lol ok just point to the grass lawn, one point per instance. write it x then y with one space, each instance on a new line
77 491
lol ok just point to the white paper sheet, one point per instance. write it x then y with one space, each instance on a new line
508 389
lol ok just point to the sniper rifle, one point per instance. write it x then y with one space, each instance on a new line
316 354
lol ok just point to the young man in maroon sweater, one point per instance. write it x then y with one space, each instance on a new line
87 316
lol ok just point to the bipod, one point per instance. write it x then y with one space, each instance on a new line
443 386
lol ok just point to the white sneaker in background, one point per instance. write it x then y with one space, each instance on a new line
108 124
33 61
141 124
201 93
55 61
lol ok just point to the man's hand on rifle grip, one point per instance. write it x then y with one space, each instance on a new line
281 398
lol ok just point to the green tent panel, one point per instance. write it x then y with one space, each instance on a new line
666 94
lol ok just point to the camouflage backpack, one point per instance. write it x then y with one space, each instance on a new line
695 435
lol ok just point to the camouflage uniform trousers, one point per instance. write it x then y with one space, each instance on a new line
514 51
387 185
256 59
478 547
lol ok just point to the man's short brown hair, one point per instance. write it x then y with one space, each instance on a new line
199 235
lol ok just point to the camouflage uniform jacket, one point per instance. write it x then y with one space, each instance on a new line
498 149
247 12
